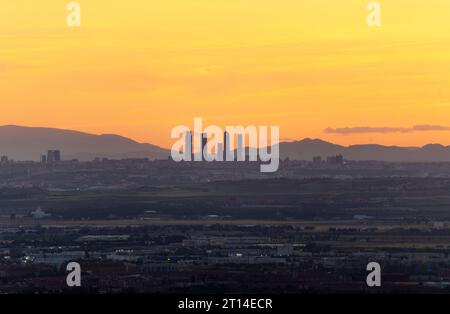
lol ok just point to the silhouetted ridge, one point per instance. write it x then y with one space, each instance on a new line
28 143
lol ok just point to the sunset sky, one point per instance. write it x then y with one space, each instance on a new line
140 67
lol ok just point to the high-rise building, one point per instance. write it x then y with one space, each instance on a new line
337 160
240 148
188 146
57 155
204 142
53 156
226 145
220 152
4 159
50 156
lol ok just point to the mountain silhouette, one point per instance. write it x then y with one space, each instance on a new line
29 143
308 148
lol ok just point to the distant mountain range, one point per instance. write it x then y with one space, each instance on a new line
308 148
28 143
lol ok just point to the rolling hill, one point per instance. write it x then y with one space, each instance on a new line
29 143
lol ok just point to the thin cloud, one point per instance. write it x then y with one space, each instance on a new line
431 128
368 129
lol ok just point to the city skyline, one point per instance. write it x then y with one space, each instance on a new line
342 132
25 143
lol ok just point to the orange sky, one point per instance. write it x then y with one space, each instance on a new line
140 67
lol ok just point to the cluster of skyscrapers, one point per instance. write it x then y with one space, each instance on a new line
4 160
222 151
52 156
